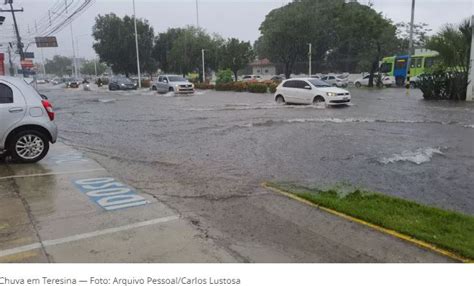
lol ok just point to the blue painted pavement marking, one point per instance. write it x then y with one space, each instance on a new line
110 194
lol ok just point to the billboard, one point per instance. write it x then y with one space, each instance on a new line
46 42
29 55
2 65
27 64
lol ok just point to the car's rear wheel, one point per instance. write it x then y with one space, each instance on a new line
280 100
319 100
358 84
28 146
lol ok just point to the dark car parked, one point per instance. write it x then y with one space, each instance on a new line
122 84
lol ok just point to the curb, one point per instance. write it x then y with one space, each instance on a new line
393 233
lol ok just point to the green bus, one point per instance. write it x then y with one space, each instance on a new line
396 66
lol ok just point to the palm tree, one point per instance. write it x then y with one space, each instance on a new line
454 46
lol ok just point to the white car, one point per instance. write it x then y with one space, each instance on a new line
251 78
173 83
387 81
335 80
310 91
26 121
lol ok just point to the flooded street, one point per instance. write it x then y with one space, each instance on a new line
206 156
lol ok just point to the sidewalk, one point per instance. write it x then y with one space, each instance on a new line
67 208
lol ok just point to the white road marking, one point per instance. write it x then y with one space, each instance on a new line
52 174
46 243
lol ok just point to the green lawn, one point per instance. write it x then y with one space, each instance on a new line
446 229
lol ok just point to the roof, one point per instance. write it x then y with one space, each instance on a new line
262 62
14 80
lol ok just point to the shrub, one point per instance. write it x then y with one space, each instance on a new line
224 76
204 86
268 82
443 85
224 86
239 86
273 87
257 88
146 83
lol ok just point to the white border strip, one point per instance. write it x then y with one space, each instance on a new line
16 250
52 174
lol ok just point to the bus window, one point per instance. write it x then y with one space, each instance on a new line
401 64
419 63
415 63
386 67
430 62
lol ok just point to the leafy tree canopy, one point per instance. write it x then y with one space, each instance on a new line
59 66
115 43
235 55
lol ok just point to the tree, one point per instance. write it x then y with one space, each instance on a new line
163 45
449 78
343 35
361 37
235 55
364 35
115 43
453 43
89 68
420 35
186 51
286 31
59 65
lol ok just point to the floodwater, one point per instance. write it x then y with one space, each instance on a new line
205 156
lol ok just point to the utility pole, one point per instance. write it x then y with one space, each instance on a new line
203 66
12 69
136 46
95 67
18 38
410 45
73 44
197 13
470 87
310 54
42 53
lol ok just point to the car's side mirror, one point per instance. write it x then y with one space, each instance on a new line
307 87
165 81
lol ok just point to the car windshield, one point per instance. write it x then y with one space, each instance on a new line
124 80
318 83
176 78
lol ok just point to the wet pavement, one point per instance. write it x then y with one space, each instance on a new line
49 213
204 157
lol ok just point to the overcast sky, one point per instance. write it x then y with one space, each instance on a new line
229 18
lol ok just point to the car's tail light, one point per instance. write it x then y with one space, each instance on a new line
49 109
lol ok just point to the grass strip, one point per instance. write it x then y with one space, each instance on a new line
446 229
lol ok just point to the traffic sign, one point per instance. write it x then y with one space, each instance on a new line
2 65
26 64
29 55
46 42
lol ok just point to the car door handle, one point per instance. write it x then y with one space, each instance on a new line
15 109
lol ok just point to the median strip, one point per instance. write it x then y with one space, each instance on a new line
446 232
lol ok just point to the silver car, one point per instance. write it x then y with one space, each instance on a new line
26 121
173 83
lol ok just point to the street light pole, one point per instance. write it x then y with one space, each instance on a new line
73 44
410 45
203 67
310 54
136 46
470 87
197 13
